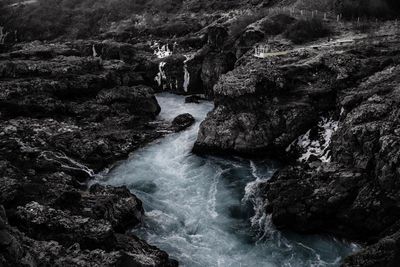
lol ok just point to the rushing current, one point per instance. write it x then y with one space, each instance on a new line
206 211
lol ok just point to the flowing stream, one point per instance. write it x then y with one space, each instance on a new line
206 211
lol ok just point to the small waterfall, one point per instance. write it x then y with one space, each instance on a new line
160 77
94 53
161 51
320 146
186 77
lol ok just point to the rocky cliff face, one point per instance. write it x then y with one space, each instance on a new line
355 195
66 114
268 106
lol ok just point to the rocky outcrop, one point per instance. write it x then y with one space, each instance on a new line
258 109
267 106
20 250
65 115
356 194
384 253
214 65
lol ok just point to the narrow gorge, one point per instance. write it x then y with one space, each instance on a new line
200 133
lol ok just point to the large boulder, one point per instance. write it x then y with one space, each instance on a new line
182 122
263 105
114 204
139 99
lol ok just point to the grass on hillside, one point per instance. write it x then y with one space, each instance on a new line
303 31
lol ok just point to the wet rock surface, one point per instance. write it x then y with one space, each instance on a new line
64 116
182 122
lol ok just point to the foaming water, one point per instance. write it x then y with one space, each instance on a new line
207 211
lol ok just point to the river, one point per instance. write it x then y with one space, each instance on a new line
206 211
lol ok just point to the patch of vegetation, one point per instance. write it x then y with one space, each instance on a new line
382 9
240 24
50 19
172 27
304 31
277 24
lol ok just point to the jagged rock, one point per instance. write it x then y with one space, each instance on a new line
384 253
20 250
140 99
264 105
356 194
214 65
182 122
65 115
301 198
253 107
42 222
114 204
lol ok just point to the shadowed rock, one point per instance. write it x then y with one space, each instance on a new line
182 122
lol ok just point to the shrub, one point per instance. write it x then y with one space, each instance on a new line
277 24
307 30
240 24
175 28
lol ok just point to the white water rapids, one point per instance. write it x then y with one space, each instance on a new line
205 211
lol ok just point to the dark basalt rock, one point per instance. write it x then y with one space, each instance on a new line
264 105
44 223
302 198
20 250
139 99
384 253
182 122
214 65
365 147
114 204
64 116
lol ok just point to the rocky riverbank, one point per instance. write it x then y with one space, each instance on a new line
65 115
343 175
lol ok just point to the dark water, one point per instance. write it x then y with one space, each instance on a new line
206 211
